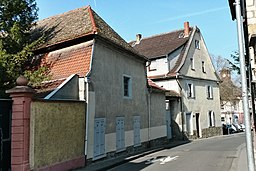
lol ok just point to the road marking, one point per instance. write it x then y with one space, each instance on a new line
162 160
168 159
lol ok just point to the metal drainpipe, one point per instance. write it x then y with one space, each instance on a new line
181 105
149 115
87 115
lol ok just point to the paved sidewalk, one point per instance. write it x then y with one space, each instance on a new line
240 161
110 163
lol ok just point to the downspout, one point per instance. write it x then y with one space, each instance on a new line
149 115
181 104
87 82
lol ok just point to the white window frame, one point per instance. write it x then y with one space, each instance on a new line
192 63
190 90
211 116
129 95
120 134
209 92
197 44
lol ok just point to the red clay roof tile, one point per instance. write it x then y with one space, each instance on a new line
72 60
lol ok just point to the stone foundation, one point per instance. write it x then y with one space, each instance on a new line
207 132
211 131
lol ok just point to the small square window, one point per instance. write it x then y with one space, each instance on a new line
127 91
197 44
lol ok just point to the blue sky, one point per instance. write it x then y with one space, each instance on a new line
150 17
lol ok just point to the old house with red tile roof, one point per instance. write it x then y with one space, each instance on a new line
90 62
181 64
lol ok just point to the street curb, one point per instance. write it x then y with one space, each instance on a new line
235 162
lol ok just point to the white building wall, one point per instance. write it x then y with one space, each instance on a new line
251 21
160 65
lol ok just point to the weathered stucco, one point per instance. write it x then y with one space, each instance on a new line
106 100
69 91
201 104
157 109
57 132
108 68
198 55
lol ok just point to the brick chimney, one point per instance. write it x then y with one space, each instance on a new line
186 29
138 38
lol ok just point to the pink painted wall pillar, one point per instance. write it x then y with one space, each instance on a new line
21 96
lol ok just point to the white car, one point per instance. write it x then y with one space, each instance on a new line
242 126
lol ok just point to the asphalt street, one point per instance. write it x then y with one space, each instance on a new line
225 153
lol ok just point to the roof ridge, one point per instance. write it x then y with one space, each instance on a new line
64 13
160 34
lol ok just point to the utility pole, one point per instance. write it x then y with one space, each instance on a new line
249 145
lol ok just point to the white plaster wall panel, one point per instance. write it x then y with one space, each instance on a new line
161 67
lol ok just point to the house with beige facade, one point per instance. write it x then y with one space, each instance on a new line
88 61
179 62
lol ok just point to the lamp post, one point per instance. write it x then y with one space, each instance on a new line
249 145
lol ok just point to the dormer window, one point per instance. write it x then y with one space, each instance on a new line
197 44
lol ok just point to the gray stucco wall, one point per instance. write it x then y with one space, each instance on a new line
69 91
109 65
157 109
201 104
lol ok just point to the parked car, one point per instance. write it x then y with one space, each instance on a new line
243 127
228 129
238 127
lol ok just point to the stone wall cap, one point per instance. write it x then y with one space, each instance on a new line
20 89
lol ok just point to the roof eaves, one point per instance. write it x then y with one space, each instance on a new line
163 77
134 52
64 41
